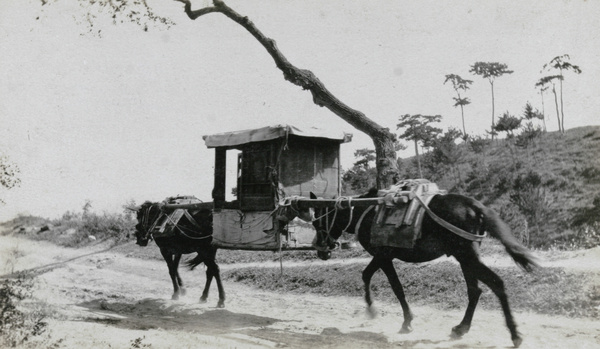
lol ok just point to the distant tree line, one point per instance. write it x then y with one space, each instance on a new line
555 70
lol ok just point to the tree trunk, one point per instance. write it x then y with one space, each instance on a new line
462 114
383 139
543 110
562 112
560 129
418 159
493 111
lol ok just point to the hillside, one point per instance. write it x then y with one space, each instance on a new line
549 191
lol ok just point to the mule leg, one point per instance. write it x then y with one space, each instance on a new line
176 260
209 277
473 292
367 274
388 268
170 259
495 283
212 266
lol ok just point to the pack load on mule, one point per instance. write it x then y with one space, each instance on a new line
168 224
399 217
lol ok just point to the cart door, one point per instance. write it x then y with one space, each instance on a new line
255 186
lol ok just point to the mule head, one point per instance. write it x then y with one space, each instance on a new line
325 240
146 215
307 214
290 210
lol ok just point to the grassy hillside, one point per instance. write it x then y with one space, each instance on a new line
549 191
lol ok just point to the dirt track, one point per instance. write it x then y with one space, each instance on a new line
107 300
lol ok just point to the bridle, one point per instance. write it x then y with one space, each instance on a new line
324 235
290 210
146 221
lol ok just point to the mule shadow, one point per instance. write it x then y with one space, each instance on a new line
163 314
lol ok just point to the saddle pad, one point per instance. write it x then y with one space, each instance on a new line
167 223
391 234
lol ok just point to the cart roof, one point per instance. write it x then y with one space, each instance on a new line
228 139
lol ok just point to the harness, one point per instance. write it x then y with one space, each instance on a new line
145 222
456 230
149 232
325 234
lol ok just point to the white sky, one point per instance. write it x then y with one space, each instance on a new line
122 116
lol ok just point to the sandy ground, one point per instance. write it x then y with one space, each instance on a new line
101 299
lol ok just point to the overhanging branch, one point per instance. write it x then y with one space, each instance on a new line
383 139
300 77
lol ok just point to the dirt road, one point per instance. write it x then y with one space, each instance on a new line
108 300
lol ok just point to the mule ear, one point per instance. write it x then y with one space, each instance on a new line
312 195
132 208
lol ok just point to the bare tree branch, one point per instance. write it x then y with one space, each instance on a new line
383 139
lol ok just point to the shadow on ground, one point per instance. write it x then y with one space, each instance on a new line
162 314
168 315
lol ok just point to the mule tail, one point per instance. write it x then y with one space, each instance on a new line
501 231
196 261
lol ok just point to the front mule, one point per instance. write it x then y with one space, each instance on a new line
435 241
191 234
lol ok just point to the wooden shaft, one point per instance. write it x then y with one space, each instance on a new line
322 203
196 206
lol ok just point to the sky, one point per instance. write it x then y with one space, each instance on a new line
119 116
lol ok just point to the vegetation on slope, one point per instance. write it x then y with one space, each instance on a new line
547 187
551 291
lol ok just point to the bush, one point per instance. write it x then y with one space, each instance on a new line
75 229
587 215
591 174
530 196
18 327
528 136
583 237
478 144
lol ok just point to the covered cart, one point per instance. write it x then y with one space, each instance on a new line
275 165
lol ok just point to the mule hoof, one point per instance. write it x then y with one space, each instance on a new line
202 300
517 340
406 329
221 304
175 297
371 312
459 331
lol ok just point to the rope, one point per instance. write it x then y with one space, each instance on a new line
280 259
339 202
329 226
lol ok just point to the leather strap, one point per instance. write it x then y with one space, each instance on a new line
456 230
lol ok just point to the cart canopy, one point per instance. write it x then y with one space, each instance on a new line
235 138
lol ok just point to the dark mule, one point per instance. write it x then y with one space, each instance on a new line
435 241
194 234
189 237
